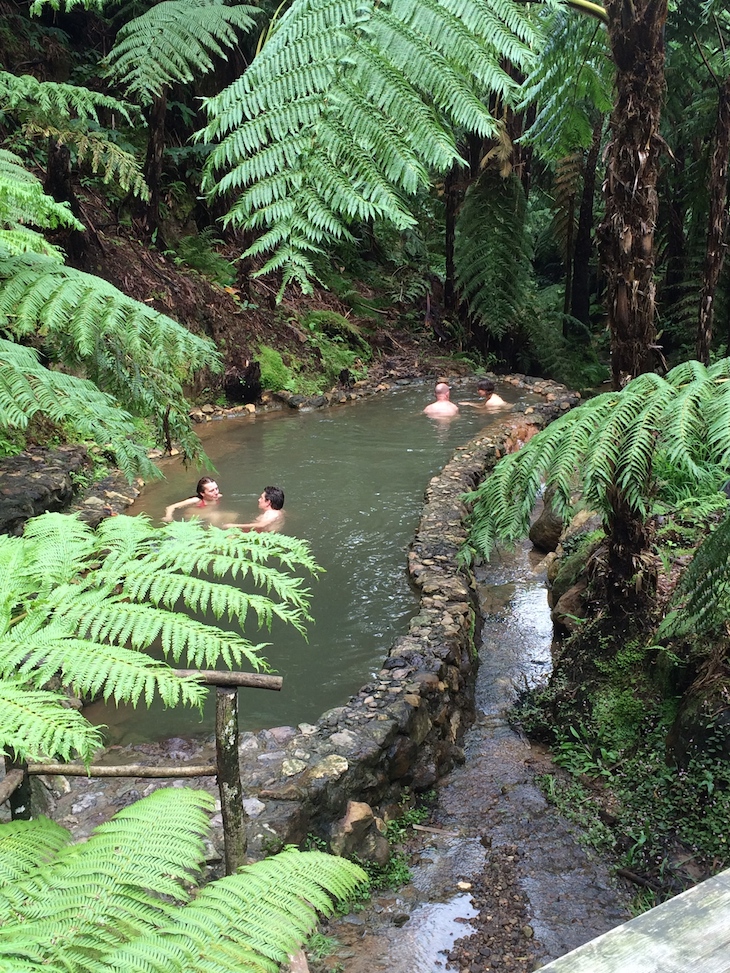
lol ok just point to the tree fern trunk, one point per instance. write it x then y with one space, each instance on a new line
153 164
580 298
718 220
452 199
626 236
631 576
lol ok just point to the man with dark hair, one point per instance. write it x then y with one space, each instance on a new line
271 504
442 408
487 396
206 494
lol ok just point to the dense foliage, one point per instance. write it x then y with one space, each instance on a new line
127 898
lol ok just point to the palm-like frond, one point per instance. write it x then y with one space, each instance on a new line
570 85
23 201
347 107
81 607
608 445
128 349
26 845
55 101
120 900
701 602
27 389
174 42
493 268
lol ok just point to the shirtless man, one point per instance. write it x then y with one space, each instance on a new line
207 494
271 503
487 397
442 408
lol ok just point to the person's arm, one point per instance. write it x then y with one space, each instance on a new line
171 508
472 405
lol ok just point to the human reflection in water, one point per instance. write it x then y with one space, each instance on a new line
271 504
205 504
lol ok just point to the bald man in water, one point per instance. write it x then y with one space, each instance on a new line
442 408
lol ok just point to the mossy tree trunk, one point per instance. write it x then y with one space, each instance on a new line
626 235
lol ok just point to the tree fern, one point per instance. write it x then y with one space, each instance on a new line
125 347
608 444
493 268
348 106
80 608
125 899
174 42
27 389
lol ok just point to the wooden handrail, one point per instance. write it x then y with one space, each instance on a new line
222 677
124 770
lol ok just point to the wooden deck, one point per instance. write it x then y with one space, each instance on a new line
688 934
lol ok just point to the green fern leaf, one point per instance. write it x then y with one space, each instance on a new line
348 105
174 42
82 608
129 350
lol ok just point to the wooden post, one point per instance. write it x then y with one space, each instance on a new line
19 796
229 778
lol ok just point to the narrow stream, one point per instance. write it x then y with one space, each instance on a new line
354 478
493 837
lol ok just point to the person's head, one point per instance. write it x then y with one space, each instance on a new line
442 390
485 388
207 489
272 497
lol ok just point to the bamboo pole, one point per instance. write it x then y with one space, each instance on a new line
229 778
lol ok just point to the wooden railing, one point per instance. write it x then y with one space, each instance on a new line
15 788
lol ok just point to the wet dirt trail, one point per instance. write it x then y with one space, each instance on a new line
500 881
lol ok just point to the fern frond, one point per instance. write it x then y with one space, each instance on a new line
55 101
492 269
174 42
701 601
25 845
24 203
83 607
570 85
127 348
36 723
610 443
101 154
27 389
120 900
253 920
348 105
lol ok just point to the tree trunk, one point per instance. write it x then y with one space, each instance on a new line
718 220
626 236
452 201
153 166
58 184
580 296
632 575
